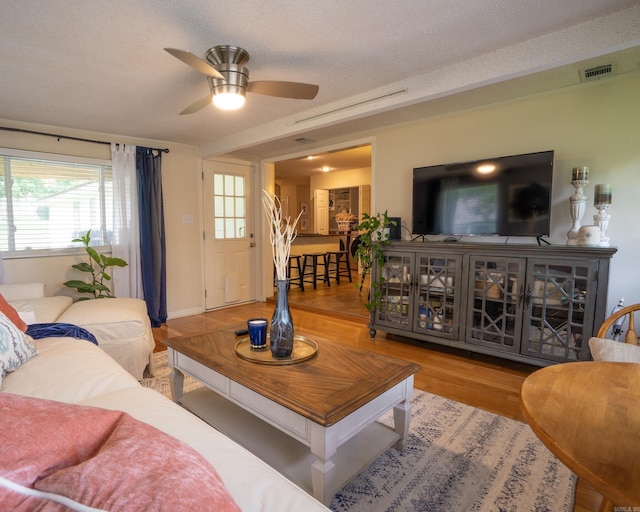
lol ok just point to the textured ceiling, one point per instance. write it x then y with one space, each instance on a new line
100 66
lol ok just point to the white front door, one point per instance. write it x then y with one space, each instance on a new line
229 243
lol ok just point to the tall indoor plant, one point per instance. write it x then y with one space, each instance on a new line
373 238
97 267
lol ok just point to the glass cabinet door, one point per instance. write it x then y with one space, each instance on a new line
494 312
395 299
559 302
437 295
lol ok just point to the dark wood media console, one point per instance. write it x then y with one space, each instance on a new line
529 303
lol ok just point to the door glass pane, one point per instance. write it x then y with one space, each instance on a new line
228 185
239 186
229 206
229 209
219 228
240 228
240 206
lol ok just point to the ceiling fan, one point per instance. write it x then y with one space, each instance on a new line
229 79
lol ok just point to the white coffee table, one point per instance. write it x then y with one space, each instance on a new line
315 421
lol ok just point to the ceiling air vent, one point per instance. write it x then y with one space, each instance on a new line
597 72
304 140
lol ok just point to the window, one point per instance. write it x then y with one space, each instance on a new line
48 200
229 210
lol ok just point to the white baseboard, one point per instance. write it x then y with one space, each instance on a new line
184 312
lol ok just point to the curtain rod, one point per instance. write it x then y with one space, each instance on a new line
163 150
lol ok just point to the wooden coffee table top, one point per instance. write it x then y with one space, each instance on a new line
325 389
587 414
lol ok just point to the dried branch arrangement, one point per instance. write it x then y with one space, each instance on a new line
282 233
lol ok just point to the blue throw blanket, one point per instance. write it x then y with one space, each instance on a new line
37 331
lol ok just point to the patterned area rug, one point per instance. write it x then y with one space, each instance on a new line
458 459
160 382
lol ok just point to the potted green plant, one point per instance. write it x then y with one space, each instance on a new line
98 263
373 238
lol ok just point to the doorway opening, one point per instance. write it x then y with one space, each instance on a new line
344 175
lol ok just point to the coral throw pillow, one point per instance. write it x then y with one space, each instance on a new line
11 313
54 453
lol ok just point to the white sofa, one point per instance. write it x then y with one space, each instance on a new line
78 372
120 325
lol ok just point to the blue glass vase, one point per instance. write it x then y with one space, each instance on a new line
281 330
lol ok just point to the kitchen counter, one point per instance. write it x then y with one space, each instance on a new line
306 243
310 243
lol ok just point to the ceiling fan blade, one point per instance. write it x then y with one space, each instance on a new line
197 105
295 90
195 62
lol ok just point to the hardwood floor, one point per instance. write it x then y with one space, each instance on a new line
338 313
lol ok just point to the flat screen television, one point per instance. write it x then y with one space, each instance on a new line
507 196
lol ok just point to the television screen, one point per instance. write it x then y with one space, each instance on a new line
508 196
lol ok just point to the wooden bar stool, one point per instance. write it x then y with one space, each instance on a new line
341 267
314 260
295 264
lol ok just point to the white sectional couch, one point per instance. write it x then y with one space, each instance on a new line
121 325
78 372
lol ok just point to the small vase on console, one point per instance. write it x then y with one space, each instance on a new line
281 330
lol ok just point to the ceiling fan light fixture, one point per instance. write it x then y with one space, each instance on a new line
231 100
229 79
229 94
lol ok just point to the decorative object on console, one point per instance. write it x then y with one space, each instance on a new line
281 233
589 236
580 173
578 201
395 228
602 202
